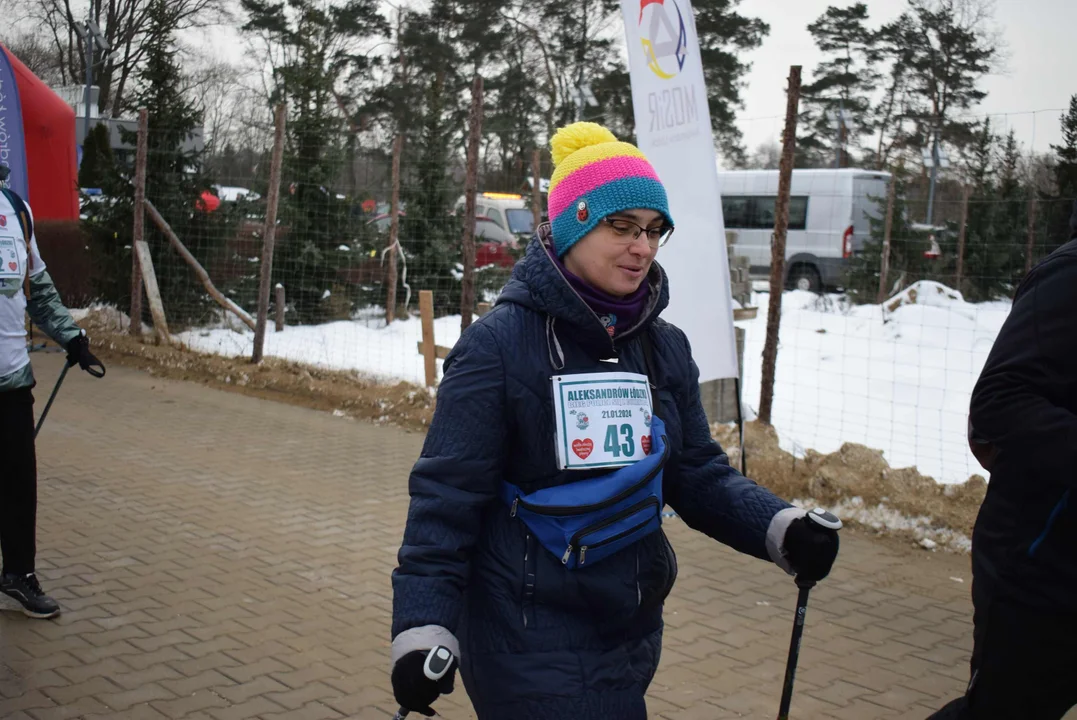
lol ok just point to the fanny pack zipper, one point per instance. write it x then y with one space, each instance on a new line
627 512
565 510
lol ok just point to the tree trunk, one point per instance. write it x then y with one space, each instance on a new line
394 232
467 288
269 236
777 250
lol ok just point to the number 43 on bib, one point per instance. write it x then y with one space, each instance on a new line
602 419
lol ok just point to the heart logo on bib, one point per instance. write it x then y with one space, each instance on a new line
13 266
583 448
645 441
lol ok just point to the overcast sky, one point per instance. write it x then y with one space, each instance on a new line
1040 72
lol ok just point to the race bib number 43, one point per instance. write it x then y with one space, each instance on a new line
603 419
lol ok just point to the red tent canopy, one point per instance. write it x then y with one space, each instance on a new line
51 158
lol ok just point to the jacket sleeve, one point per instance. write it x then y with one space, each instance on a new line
454 479
713 498
1018 402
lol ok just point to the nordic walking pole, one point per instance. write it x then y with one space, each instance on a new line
63 373
438 662
824 520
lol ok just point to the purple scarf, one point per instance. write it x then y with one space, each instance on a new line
614 312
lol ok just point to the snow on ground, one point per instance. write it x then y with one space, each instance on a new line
882 518
365 345
896 381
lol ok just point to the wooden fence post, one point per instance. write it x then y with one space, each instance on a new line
200 271
1031 244
140 219
959 275
536 191
270 233
426 313
280 307
777 250
884 268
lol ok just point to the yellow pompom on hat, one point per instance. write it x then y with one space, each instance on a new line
596 175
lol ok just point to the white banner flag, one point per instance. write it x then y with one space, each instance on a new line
673 129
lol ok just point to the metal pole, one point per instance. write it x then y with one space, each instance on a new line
934 175
840 123
89 82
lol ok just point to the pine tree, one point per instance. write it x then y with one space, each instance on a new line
175 181
998 217
843 86
940 51
98 162
1061 207
317 64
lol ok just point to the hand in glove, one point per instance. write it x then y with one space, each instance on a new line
413 690
78 353
811 549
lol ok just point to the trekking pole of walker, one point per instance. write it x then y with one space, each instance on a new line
823 520
41 420
438 662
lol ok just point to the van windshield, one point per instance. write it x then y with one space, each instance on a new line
520 221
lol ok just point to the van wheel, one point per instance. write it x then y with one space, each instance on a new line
805 277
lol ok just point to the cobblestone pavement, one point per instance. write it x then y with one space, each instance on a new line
225 557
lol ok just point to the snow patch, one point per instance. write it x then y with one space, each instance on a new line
886 519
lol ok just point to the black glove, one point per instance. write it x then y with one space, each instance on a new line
78 353
810 549
413 690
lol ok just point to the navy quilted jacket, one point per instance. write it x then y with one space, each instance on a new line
537 640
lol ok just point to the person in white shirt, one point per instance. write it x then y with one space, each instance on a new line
25 286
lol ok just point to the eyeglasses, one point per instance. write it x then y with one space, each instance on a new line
628 231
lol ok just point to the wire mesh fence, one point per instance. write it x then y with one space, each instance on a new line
883 353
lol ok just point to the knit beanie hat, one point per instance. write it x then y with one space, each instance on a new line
594 176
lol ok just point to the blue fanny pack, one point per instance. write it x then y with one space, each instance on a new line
583 522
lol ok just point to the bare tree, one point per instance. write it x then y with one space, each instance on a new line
34 52
125 25
221 92
766 156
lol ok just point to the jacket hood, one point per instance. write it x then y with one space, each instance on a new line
538 283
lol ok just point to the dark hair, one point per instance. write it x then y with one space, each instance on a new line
1073 222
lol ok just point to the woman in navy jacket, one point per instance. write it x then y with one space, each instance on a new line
545 625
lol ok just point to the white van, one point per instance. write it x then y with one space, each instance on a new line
829 213
509 211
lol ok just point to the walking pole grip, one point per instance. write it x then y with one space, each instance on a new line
823 520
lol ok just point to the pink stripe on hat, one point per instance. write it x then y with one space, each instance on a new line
594 175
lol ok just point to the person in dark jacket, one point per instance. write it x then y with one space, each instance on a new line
1023 430
566 418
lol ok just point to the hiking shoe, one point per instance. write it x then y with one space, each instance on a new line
26 590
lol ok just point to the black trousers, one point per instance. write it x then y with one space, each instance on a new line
18 481
1024 663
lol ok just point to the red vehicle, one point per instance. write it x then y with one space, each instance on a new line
492 242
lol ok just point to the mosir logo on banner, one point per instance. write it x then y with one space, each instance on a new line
664 36
673 129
